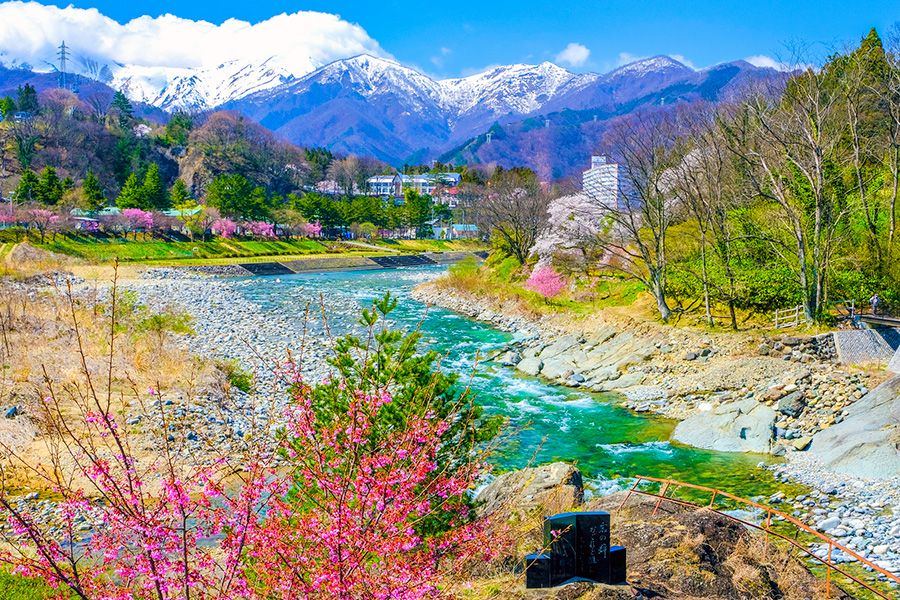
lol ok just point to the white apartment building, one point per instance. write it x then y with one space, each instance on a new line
606 183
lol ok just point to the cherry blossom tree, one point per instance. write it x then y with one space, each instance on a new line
546 282
223 227
260 229
137 220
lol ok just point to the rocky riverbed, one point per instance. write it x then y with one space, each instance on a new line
770 395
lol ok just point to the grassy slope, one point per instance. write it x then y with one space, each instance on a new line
227 251
14 587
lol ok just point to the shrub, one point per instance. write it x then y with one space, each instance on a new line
546 282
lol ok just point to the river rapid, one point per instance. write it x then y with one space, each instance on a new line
609 443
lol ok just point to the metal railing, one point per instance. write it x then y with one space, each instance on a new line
667 485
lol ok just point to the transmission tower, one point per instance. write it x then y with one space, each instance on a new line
63 55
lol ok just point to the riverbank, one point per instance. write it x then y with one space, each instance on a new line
731 392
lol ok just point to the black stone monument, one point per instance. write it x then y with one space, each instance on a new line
537 571
577 547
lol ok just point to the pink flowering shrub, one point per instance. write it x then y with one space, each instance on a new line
260 229
136 220
223 227
367 503
546 282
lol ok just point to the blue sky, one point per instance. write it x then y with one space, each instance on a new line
462 37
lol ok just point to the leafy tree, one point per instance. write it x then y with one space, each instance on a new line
27 99
7 107
132 194
179 194
93 191
153 191
236 196
27 190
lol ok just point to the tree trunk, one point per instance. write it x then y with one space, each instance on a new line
709 319
659 293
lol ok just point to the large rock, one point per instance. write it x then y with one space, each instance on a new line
742 426
556 487
530 366
792 404
563 344
867 442
559 367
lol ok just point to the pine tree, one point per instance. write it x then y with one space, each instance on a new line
123 106
27 190
27 100
132 194
93 191
50 187
179 194
154 191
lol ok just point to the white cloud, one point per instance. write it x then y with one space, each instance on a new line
302 41
761 60
438 59
684 60
574 55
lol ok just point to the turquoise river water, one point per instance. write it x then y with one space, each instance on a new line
609 443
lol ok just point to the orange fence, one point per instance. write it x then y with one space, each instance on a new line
670 485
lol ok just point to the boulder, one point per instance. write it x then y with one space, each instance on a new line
741 426
558 368
792 404
510 358
867 442
556 487
563 344
530 366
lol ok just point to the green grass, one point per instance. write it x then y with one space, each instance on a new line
107 250
15 587
431 245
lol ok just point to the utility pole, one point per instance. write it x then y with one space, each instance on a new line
63 55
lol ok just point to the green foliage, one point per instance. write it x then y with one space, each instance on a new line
153 192
132 194
122 105
237 377
50 188
178 129
392 360
164 323
28 188
27 99
7 107
93 191
179 194
236 196
15 587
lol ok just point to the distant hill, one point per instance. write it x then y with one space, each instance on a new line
541 116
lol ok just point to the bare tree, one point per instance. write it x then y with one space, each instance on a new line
788 148
514 209
891 96
639 198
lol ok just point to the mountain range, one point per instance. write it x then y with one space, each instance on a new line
542 116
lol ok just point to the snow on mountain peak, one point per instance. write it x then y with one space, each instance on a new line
645 66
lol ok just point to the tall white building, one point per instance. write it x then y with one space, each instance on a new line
606 183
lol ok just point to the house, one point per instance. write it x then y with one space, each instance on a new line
425 184
386 185
455 231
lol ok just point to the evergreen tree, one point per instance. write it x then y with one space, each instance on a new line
27 100
132 194
123 106
27 190
179 194
93 191
50 187
154 192
178 128
235 196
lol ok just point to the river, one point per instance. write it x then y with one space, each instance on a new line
609 443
